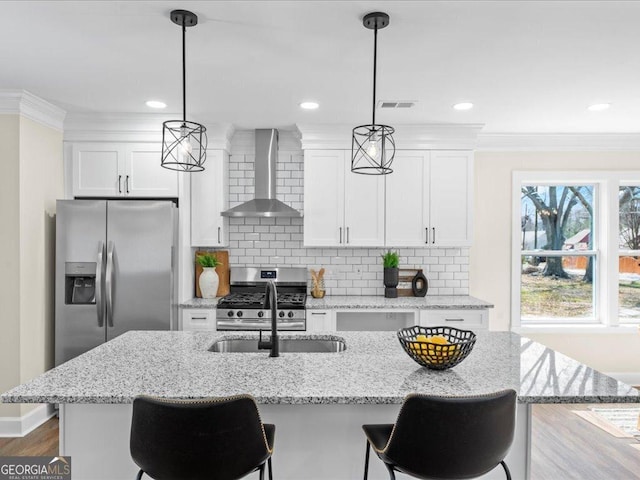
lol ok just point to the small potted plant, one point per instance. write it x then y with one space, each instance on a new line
209 279
390 261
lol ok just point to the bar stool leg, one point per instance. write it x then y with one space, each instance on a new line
392 474
270 469
261 470
366 462
139 476
506 470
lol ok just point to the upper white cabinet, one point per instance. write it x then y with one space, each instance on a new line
428 199
97 169
451 194
144 177
209 197
113 169
407 205
341 208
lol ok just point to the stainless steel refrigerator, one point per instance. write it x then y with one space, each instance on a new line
114 271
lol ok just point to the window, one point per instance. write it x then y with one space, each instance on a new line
557 253
576 248
629 253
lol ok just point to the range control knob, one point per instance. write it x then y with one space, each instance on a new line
260 314
240 313
230 313
290 314
281 314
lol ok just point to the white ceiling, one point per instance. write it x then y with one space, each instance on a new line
527 66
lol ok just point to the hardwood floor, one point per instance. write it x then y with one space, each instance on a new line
565 447
43 441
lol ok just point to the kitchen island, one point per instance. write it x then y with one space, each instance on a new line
317 400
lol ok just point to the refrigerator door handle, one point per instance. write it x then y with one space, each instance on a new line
109 284
99 304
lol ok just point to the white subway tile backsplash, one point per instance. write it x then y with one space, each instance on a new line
348 271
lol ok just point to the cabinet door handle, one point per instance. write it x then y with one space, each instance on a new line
218 235
426 229
317 313
126 184
119 183
340 235
434 235
199 318
454 319
347 234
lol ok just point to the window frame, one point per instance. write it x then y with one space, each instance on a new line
629 179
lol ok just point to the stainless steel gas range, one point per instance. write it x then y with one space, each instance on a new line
247 306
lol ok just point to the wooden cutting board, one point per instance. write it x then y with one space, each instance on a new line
222 270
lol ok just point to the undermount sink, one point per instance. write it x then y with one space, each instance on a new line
287 345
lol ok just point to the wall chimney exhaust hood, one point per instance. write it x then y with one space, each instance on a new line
265 203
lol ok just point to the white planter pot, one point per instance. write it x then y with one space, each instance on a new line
209 281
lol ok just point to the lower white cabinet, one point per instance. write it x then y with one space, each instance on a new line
464 319
321 321
199 319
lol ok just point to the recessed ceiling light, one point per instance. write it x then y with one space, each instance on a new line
463 106
598 107
156 104
309 105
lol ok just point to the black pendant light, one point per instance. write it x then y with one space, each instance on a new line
372 146
184 143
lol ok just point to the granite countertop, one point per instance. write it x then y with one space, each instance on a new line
347 302
373 370
453 302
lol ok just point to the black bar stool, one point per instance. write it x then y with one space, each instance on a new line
446 437
210 439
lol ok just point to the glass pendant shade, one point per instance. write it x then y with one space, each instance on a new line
372 149
184 146
372 146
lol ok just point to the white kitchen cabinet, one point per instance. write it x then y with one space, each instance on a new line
341 208
97 169
321 320
428 199
199 320
144 177
465 319
115 169
209 197
407 202
451 194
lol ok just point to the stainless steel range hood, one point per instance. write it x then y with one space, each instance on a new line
265 203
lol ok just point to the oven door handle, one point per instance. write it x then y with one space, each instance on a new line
245 325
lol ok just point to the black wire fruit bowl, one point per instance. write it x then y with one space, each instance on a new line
438 348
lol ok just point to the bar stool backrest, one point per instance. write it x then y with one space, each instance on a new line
452 437
213 439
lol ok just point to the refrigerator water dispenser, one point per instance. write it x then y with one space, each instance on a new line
80 283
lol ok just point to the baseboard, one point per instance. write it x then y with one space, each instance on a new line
630 378
20 426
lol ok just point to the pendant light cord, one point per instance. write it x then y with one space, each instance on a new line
375 57
184 74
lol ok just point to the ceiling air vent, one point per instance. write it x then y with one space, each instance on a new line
397 104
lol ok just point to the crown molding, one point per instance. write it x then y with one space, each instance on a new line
26 104
438 136
134 127
558 142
